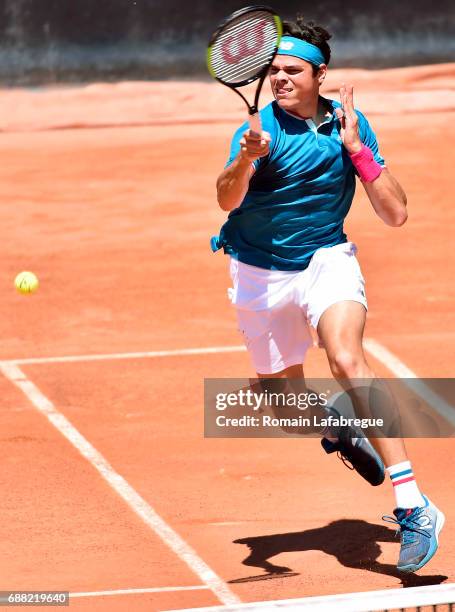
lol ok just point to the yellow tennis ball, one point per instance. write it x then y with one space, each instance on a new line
26 282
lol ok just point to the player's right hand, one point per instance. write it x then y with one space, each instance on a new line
253 146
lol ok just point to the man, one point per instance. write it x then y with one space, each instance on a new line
288 191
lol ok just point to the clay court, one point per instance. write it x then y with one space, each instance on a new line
110 490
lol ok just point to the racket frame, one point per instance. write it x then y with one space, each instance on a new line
255 122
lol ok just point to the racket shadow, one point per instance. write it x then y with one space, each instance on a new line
354 543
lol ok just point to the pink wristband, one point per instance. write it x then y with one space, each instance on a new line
365 164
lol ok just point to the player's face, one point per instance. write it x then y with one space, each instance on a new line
293 82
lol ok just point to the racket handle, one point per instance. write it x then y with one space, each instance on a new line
255 124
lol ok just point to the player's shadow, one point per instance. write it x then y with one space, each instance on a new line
354 543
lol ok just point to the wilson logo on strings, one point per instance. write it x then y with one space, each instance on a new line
250 41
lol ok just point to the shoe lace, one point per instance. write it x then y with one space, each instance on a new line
409 527
345 461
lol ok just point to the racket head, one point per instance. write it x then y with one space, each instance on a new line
243 46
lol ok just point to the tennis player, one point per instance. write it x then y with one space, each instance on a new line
288 191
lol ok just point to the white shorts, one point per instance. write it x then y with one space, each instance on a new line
276 308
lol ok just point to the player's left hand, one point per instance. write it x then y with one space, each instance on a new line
349 122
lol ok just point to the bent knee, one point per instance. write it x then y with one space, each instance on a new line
346 364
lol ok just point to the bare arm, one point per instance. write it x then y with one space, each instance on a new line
387 198
385 193
232 184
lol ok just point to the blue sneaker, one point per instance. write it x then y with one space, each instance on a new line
419 531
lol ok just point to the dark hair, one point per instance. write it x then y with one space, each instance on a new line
314 34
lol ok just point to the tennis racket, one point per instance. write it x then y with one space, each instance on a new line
241 50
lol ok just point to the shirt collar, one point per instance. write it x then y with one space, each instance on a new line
326 104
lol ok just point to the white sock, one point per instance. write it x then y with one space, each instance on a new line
406 491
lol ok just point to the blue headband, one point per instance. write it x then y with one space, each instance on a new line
302 49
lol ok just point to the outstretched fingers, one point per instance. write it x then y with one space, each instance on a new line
340 116
347 102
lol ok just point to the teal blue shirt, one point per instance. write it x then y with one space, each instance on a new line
299 194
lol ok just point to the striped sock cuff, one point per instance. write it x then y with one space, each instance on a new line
401 477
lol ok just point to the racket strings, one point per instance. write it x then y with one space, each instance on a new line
249 70
243 47
233 53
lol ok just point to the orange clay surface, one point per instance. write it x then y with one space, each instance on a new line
115 220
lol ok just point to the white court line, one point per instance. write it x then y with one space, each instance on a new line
400 370
145 355
11 371
169 589
391 361
388 359
120 485
372 601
